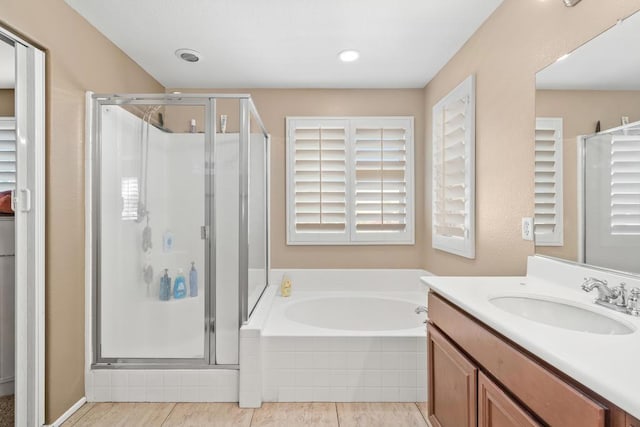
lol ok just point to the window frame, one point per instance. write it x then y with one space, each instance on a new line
351 237
461 246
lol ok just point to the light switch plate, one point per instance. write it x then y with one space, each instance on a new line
527 228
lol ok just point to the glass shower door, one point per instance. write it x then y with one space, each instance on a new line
152 244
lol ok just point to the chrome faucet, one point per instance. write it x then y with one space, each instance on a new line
605 294
422 309
614 298
633 304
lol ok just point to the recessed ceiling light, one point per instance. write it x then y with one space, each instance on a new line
188 55
349 55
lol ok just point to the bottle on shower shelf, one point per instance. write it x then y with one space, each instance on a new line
193 280
179 286
165 286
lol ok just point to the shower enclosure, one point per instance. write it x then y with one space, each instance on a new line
179 220
612 198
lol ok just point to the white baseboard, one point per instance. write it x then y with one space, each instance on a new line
64 417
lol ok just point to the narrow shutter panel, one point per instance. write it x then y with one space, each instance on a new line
130 194
318 178
625 185
7 153
453 171
382 178
548 182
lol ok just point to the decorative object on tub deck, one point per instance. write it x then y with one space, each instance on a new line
193 280
285 286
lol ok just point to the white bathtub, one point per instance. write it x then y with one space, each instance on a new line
347 313
343 336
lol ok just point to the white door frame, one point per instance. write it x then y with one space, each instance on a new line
29 202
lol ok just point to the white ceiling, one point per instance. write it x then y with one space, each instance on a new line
289 43
608 62
7 66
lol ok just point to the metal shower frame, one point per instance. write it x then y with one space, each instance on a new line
247 110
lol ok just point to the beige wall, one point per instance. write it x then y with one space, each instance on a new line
78 59
580 111
276 104
7 104
518 40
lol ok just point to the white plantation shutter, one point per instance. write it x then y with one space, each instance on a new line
453 164
130 194
625 185
548 182
350 180
317 180
7 153
382 177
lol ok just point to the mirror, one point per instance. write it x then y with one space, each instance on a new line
587 140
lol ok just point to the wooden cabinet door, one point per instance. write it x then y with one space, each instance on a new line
452 384
496 409
632 422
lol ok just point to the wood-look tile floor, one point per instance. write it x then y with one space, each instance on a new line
269 415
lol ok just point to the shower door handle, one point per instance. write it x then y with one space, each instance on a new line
210 326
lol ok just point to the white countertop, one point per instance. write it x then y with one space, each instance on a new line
607 364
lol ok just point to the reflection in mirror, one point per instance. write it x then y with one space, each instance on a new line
7 227
587 140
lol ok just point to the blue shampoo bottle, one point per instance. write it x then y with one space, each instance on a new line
179 286
193 281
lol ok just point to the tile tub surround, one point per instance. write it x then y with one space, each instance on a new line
578 354
344 369
300 363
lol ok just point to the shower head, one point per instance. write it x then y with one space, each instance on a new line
571 3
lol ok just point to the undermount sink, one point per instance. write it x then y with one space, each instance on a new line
561 314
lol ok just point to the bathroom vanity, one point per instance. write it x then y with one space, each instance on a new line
489 367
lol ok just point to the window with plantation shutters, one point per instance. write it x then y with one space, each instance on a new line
453 168
625 185
381 152
7 153
548 182
317 156
349 180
